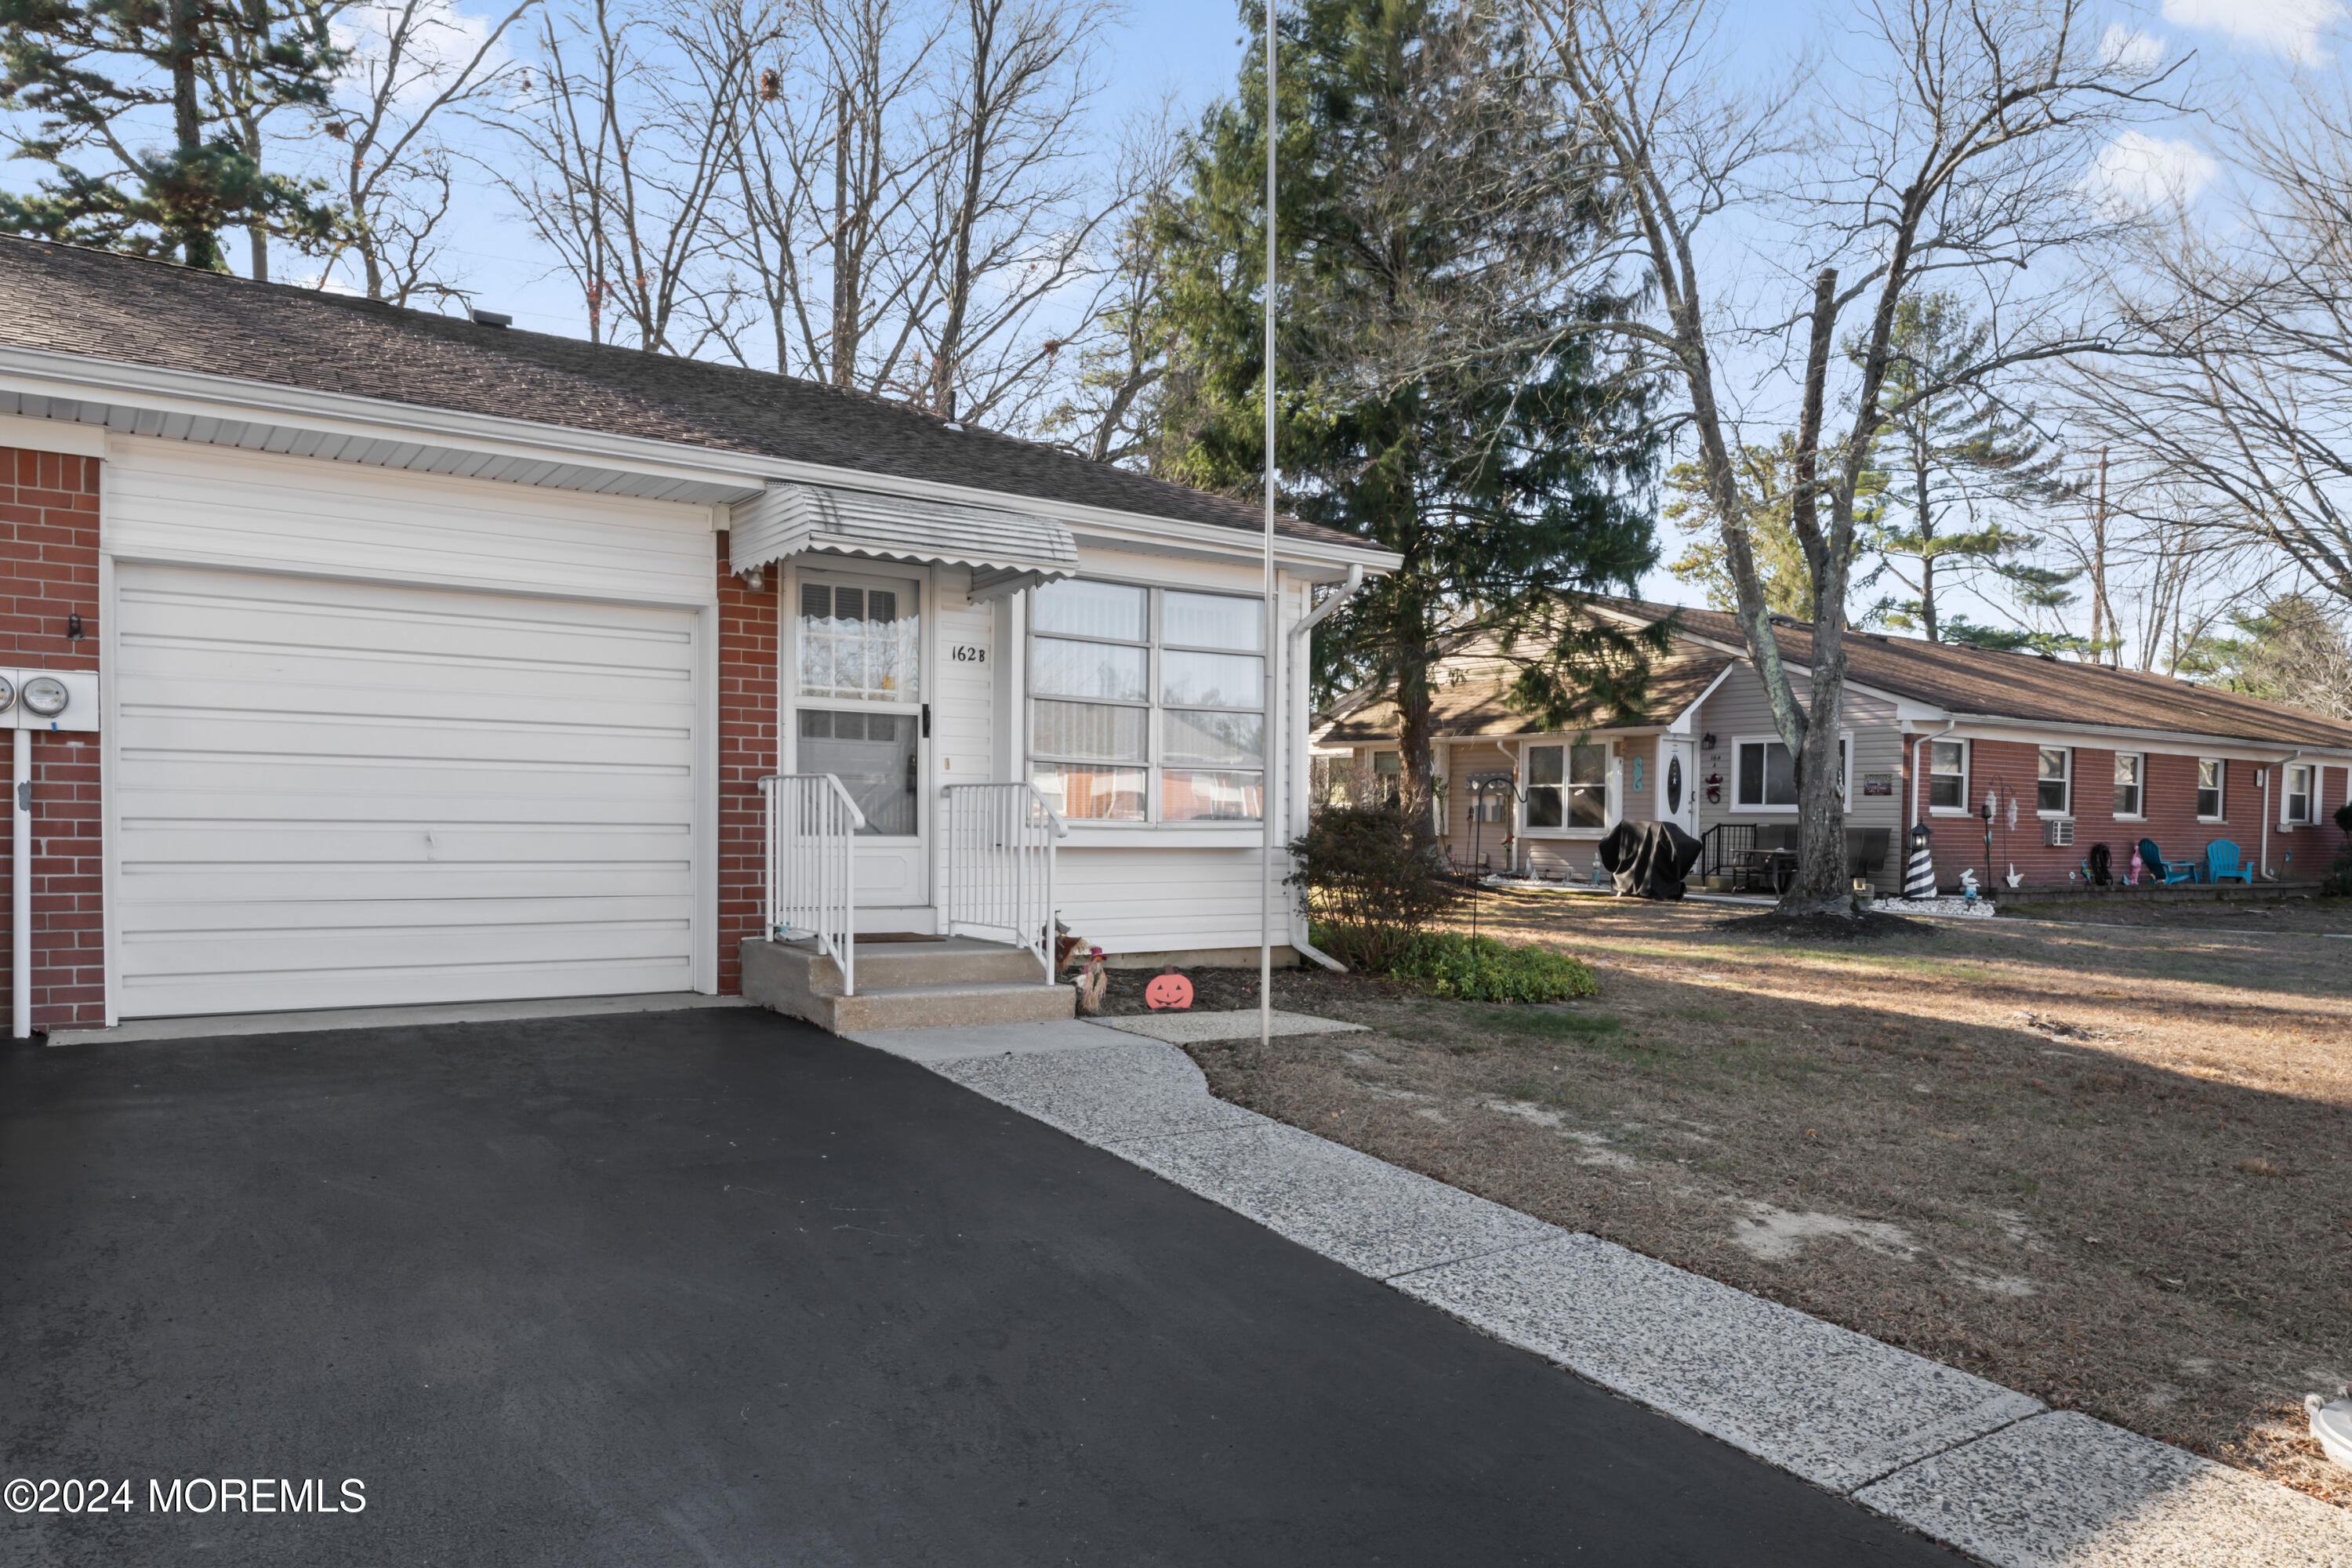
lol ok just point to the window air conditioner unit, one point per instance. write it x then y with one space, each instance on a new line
2058 832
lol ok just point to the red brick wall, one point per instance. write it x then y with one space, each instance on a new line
746 749
2170 810
49 541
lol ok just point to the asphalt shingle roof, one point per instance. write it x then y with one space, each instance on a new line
1475 705
2026 687
72 301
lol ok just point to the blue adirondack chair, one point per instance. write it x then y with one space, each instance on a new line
2221 863
2164 871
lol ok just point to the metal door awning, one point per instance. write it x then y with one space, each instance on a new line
1007 550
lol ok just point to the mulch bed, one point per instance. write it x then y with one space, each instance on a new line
1870 925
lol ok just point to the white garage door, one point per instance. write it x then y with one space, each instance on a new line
334 794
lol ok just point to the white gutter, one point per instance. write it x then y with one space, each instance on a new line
2243 746
205 398
1295 742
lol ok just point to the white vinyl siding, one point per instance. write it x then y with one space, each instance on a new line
170 500
342 795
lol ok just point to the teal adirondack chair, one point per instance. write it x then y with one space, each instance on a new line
2162 870
2221 863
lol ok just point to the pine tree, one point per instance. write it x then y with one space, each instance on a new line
1956 461
1767 476
98 76
1435 395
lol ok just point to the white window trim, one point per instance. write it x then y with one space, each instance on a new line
2310 794
1611 807
1737 742
1967 764
2220 788
2141 814
2072 781
1152 825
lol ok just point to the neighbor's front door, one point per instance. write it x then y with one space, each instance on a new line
1676 785
857 654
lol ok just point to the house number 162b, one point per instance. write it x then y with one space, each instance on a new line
964 653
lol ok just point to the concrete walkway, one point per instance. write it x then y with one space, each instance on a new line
1964 1461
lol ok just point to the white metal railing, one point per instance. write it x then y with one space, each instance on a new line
999 864
811 873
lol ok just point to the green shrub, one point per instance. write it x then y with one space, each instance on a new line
2337 883
1373 872
1469 969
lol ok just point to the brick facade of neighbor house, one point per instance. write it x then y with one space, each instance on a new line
748 650
2169 815
49 541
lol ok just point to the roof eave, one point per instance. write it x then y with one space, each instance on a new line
711 475
2133 732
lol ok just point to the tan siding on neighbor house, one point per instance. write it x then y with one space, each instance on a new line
1466 841
1739 710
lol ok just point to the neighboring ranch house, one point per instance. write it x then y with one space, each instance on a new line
2085 754
418 659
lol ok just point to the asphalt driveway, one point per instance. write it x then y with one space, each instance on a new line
714 1288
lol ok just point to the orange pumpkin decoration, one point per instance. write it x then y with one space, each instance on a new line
1167 992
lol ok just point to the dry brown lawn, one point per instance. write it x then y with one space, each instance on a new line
2111 1168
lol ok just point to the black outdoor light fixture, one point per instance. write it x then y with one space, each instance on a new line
73 626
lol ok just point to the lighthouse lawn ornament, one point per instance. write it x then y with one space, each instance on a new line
1919 873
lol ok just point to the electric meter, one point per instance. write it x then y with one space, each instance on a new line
46 695
7 694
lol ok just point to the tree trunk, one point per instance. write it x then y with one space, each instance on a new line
845 281
198 248
1926 531
1820 886
1414 767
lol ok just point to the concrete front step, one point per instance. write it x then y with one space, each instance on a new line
959 960
905 986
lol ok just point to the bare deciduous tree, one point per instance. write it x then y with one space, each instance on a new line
2248 413
829 162
412 63
623 158
1016 206
1961 163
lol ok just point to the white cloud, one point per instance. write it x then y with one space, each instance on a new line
2134 51
2293 27
2139 172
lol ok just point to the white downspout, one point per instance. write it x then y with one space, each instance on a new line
2263 859
20 887
1296 745
1919 771
2282 768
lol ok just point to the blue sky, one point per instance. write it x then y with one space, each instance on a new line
1190 49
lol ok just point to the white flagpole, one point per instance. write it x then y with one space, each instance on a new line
1269 751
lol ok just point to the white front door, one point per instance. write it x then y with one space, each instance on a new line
1677 784
858 712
